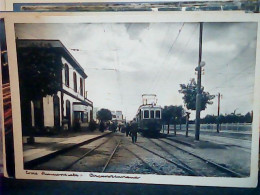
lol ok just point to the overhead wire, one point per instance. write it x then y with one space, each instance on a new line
158 75
241 72
168 74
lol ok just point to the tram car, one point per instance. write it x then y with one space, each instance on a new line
149 119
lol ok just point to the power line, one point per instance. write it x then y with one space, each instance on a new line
181 54
167 55
231 78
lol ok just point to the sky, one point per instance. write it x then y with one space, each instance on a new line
125 60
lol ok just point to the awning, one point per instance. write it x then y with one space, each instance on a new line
80 107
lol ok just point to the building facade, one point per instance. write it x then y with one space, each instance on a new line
117 116
70 105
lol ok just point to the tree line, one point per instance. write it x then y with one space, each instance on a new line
178 115
228 118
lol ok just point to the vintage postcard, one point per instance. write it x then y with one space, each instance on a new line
135 97
128 5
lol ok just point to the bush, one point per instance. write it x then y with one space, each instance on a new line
92 125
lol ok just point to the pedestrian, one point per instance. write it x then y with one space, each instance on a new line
113 127
134 130
127 129
102 126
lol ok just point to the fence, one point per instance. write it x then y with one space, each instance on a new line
224 126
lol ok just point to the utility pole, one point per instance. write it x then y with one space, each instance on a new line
198 96
187 123
218 122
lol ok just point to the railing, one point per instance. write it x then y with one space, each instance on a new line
213 127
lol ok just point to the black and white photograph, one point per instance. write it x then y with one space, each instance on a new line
132 100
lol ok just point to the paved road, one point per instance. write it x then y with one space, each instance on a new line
241 143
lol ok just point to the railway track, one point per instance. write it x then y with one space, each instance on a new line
179 162
84 155
111 156
149 167
208 162
185 168
104 168
145 163
152 158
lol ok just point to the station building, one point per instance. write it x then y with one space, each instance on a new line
70 105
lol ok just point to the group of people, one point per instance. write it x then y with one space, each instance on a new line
131 130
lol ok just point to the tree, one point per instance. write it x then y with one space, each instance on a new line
190 91
39 75
39 72
248 118
104 115
209 119
172 114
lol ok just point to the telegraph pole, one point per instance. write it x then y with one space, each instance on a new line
218 112
187 123
198 96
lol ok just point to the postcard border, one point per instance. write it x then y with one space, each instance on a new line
92 17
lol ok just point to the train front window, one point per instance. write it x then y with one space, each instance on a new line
152 113
146 114
157 114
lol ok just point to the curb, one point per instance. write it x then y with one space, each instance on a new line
45 158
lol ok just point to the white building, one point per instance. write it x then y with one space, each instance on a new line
70 104
118 117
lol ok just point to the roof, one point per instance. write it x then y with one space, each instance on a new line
149 106
41 43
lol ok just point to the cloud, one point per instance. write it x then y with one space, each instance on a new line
157 58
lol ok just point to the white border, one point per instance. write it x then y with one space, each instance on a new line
110 17
9 3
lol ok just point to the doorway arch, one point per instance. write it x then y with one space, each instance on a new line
68 113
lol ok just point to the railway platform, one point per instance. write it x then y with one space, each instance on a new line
47 147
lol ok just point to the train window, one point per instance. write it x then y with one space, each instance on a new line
152 113
157 114
146 114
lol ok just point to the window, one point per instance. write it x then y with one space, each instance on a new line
146 114
81 86
66 75
152 113
157 114
75 81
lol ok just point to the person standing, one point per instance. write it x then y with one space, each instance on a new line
127 129
134 130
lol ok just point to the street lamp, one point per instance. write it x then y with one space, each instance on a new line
202 64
